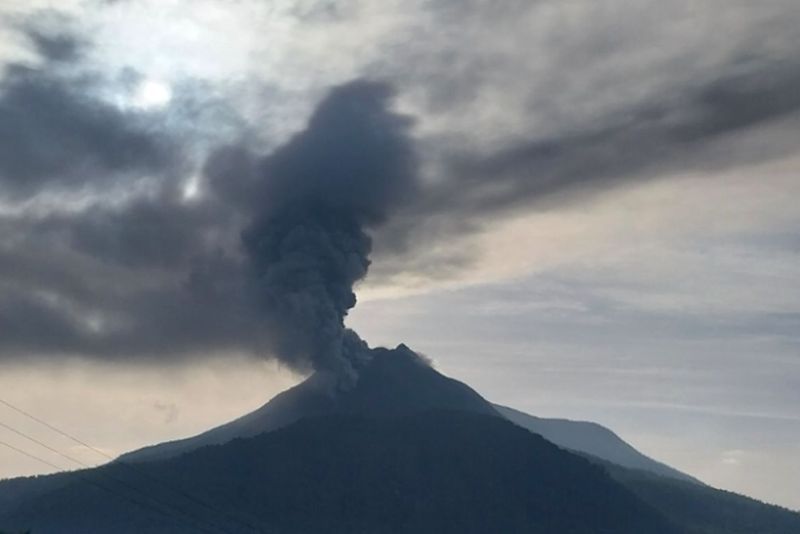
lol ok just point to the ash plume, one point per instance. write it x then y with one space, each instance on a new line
114 246
314 200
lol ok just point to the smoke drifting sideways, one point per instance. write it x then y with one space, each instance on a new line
313 202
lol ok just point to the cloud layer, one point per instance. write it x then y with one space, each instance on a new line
122 227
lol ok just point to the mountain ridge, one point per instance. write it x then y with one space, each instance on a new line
592 439
431 472
405 450
396 382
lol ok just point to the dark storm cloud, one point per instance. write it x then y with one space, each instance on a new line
56 46
149 234
149 280
56 134
145 276
673 132
697 128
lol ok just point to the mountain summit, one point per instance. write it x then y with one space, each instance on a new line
395 382
404 449
398 382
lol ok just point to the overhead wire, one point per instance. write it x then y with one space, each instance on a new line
142 472
187 496
86 479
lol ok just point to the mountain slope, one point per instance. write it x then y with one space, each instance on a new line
592 439
437 472
396 382
702 509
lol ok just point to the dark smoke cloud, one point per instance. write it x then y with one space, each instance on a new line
314 200
165 278
699 127
156 276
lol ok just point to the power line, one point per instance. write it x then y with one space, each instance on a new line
13 448
141 472
49 448
54 429
105 474
84 478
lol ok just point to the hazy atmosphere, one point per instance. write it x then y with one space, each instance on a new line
587 210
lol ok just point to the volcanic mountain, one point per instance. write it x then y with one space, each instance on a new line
404 450
399 382
434 472
395 382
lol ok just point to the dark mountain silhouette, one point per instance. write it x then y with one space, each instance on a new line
435 472
398 382
404 450
395 382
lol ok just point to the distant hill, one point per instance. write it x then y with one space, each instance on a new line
592 439
436 472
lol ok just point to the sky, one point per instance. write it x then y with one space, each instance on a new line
585 210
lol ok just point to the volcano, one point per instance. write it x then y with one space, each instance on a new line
404 449
394 382
399 382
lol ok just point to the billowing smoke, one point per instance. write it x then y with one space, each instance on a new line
315 198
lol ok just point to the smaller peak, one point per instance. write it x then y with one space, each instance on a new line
401 356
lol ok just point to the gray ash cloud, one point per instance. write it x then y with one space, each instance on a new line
265 260
313 202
